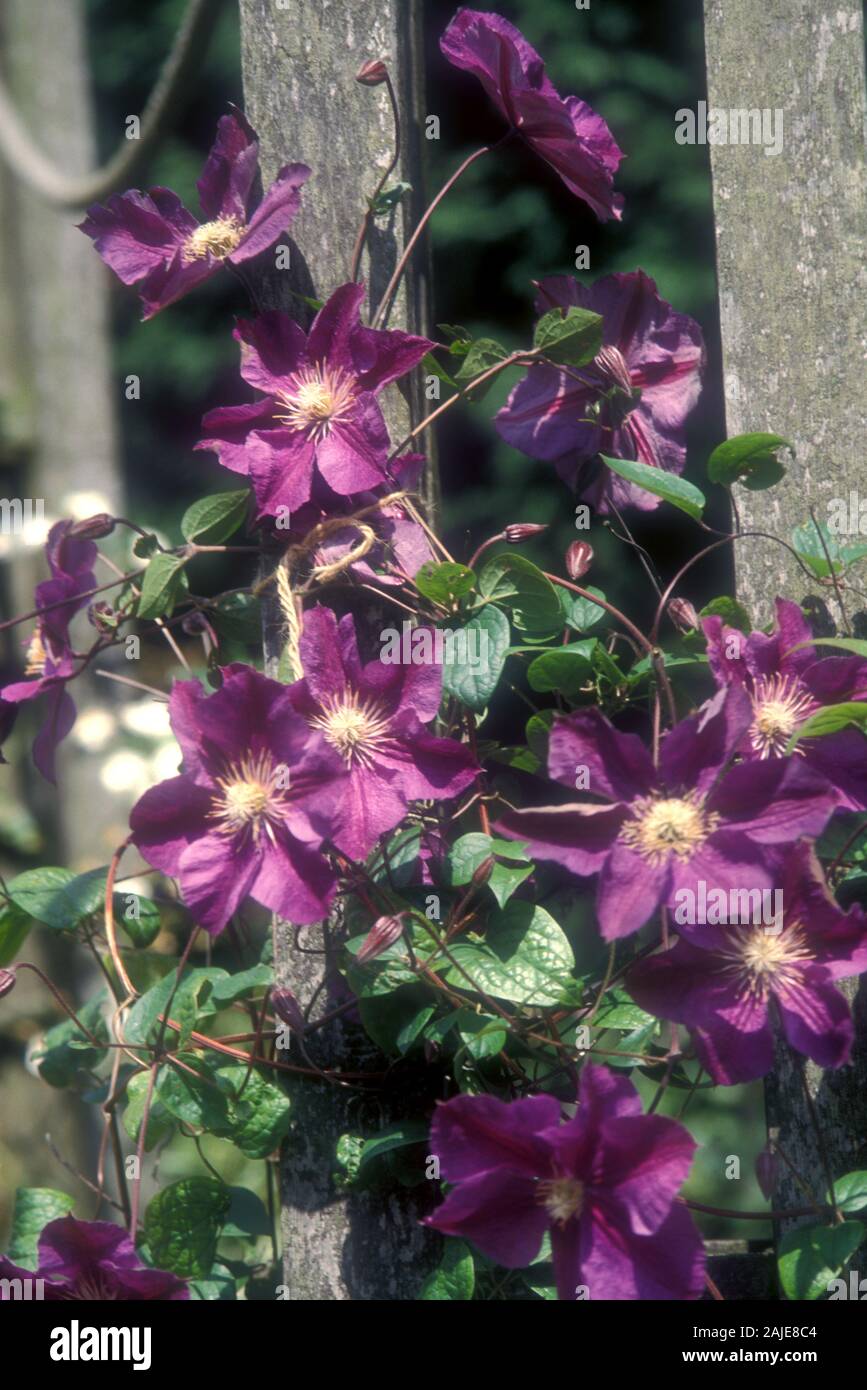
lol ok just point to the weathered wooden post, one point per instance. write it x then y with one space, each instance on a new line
299 63
790 253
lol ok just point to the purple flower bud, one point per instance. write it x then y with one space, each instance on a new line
484 871
7 982
93 528
102 616
683 614
287 1009
520 531
579 558
767 1166
372 73
384 933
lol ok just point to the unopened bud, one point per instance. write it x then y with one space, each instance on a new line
483 872
372 73
287 1009
103 617
767 1166
93 528
683 614
7 982
579 558
521 531
384 933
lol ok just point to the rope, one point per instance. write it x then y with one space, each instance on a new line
30 164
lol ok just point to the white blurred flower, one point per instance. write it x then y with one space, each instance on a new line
126 772
165 763
80 505
94 729
149 718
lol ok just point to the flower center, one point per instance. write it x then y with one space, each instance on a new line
35 656
780 704
93 1287
562 1198
218 238
316 399
612 364
661 826
250 796
356 728
761 961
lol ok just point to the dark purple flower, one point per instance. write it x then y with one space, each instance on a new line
319 417
258 794
655 833
374 716
565 132
50 659
150 237
728 983
94 1261
631 402
604 1184
785 687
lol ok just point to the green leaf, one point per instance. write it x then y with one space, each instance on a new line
15 926
454 1280
565 669
849 644
668 486
182 1226
538 730
213 519
811 540
829 720
34 1208
58 897
238 618
248 1215
259 1114
732 613
580 613
750 459
160 1121
389 198
197 1100
481 355
850 1192
474 682
163 580
473 849
431 367
142 926
811 1256
348 1158
401 1135
525 958
397 864
143 1017
444 582
65 1054
573 338
483 1035
516 583
242 985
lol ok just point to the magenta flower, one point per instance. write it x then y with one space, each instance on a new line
786 687
630 403
95 1261
150 237
566 133
604 1184
730 983
258 794
50 660
655 833
374 716
319 418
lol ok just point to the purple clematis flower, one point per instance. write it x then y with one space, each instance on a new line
785 687
374 716
658 832
95 1261
603 1183
631 402
319 418
729 983
150 237
258 794
50 661
566 133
